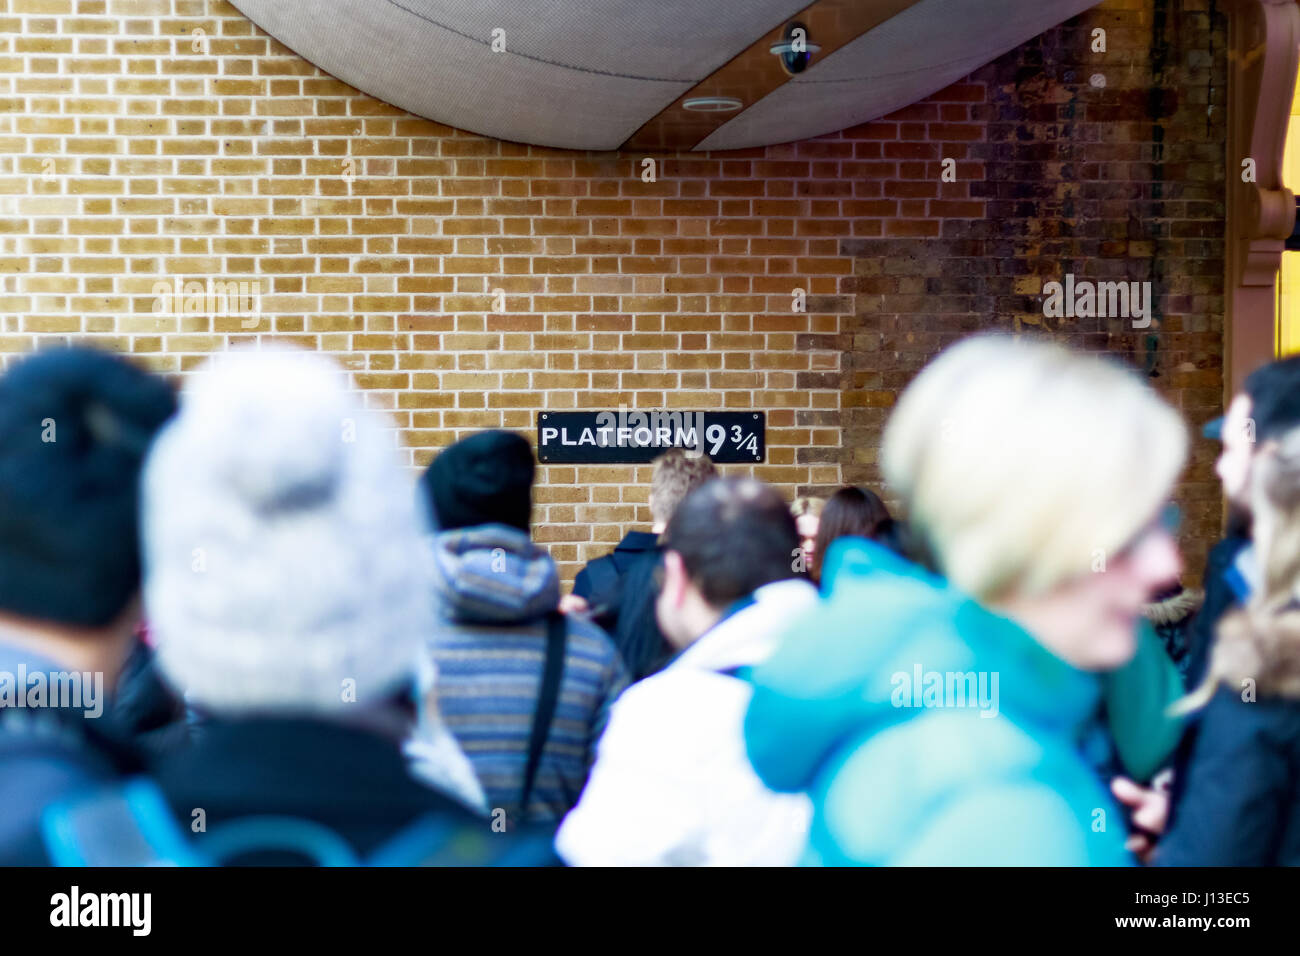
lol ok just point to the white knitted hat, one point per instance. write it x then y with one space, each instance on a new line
283 543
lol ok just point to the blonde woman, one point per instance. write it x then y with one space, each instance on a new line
1238 805
937 720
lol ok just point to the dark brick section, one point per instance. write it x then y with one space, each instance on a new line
1121 181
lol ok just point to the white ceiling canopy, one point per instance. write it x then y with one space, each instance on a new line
588 74
584 74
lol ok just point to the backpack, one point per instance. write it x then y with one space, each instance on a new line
130 824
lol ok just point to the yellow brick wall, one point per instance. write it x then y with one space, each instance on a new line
145 140
153 140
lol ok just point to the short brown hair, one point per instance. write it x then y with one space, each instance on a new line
734 535
675 476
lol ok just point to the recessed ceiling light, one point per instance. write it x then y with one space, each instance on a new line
787 46
713 104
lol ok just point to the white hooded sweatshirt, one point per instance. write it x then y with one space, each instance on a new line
672 785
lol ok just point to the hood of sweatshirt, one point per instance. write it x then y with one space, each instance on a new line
493 574
863 658
748 636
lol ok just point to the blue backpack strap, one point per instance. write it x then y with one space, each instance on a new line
532 847
130 824
126 824
420 842
441 840
277 834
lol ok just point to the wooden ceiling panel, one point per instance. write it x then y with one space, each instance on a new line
756 71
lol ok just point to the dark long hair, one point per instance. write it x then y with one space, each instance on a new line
851 510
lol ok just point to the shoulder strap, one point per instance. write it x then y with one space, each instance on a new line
281 834
128 823
441 839
547 697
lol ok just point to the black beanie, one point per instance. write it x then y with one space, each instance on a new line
75 425
484 479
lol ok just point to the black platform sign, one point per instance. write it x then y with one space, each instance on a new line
635 438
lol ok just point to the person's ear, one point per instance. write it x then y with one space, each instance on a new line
675 578
1258 469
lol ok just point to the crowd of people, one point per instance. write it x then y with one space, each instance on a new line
234 632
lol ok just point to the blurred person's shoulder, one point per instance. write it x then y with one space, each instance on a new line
940 747
1273 718
906 776
678 713
604 574
682 690
589 640
94 748
44 759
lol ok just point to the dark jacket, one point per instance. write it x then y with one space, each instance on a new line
1222 594
621 590
600 583
1172 614
46 754
1238 805
1220 597
144 707
350 778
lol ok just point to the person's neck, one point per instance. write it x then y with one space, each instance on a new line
698 619
89 650
1039 617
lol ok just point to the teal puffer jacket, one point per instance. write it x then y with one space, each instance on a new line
929 730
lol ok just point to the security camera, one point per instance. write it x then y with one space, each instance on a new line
795 49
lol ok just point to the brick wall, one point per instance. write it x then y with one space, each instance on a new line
134 150
1107 165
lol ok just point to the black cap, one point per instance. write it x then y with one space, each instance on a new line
75 425
484 479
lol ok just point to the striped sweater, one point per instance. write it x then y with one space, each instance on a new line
495 588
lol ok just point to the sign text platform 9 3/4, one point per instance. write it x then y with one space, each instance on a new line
638 437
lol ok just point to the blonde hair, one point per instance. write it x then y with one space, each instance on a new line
1261 641
1020 462
807 506
676 475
